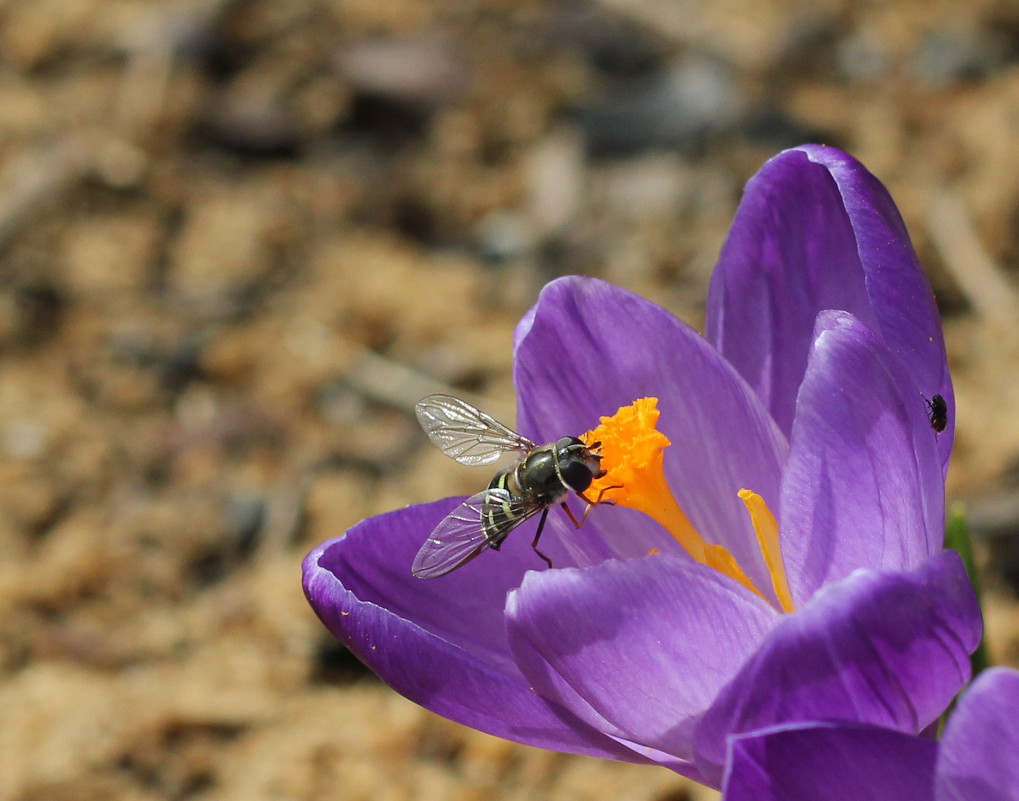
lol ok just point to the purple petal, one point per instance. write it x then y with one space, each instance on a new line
979 756
442 643
830 762
816 231
588 348
863 485
608 533
638 648
887 649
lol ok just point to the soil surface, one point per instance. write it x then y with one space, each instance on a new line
238 241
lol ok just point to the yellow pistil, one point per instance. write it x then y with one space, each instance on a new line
632 457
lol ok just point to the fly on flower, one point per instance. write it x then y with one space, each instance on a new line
541 477
937 410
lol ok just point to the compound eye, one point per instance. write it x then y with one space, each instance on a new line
575 473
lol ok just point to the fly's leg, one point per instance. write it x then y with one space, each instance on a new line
537 536
569 513
601 494
591 504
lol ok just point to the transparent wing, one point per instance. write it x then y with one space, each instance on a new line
461 535
467 434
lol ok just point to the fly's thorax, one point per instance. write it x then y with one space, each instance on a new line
537 477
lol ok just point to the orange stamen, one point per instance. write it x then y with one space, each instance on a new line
767 536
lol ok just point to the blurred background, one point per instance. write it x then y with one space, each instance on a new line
239 239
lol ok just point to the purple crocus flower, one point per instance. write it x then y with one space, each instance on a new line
789 565
976 760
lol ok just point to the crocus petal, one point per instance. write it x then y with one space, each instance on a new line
642 646
979 755
608 533
863 484
830 762
588 348
815 231
439 643
886 649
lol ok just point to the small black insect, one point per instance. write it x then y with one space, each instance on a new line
937 412
541 477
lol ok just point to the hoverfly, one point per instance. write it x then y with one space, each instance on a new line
540 477
937 413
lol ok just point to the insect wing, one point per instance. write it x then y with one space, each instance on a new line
467 434
462 534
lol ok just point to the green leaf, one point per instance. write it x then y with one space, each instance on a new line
957 539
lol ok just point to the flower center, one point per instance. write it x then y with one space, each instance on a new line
632 451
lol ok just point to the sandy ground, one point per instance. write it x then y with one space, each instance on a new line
239 239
